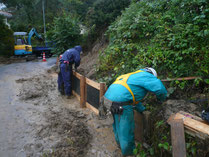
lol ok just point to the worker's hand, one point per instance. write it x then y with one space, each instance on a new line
139 107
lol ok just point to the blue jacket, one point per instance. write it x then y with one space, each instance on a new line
72 55
140 83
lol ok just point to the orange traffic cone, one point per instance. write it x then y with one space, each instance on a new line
44 58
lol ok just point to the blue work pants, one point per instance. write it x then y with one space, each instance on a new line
65 77
123 128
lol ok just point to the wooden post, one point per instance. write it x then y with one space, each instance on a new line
82 92
102 90
147 123
85 93
178 138
138 126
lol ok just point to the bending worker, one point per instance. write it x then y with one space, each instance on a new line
125 95
69 57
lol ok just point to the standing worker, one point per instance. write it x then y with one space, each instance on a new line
69 57
124 96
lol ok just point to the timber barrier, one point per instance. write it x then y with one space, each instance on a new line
87 91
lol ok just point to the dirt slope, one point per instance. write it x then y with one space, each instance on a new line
89 60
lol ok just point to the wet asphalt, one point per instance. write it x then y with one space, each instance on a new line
15 129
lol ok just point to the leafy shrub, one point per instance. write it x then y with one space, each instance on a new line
171 36
7 40
65 32
102 14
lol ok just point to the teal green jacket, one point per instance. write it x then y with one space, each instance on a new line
140 83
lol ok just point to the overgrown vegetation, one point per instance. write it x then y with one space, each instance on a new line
7 40
102 14
65 32
28 14
171 36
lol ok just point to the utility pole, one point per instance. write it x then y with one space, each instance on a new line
44 18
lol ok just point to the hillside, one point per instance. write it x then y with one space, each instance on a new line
171 36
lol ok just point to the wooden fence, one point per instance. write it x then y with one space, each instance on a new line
87 91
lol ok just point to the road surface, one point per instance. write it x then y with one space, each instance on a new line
35 120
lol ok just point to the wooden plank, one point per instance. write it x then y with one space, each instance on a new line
82 92
192 116
92 108
188 129
194 127
178 138
195 133
194 124
77 74
180 79
85 95
138 126
93 83
102 90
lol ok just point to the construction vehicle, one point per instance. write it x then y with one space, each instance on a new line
23 45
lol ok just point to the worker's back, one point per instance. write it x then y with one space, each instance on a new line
72 56
140 83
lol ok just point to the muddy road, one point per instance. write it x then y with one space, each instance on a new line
36 121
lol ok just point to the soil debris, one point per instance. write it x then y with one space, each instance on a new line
39 86
64 131
70 129
174 106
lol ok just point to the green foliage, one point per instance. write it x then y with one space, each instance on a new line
65 32
78 7
171 36
95 15
191 146
160 143
139 151
28 13
7 40
164 145
102 14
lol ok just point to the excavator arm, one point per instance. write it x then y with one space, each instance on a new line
31 33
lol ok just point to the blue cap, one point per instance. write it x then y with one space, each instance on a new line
78 48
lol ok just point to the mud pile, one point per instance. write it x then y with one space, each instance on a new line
72 133
36 87
174 106
63 130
